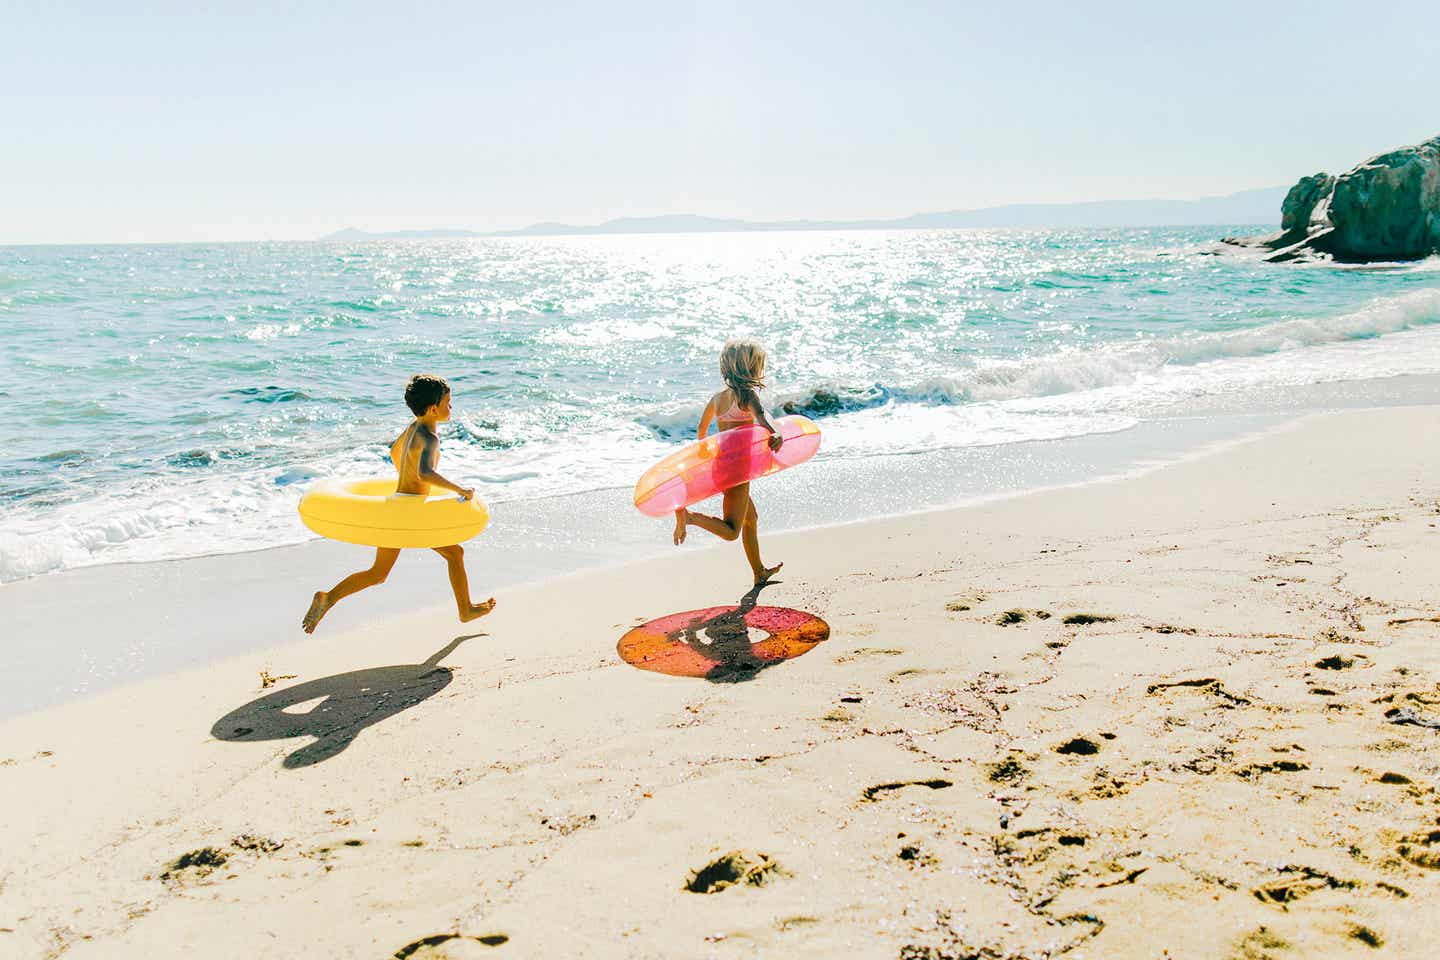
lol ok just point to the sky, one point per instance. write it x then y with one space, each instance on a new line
149 122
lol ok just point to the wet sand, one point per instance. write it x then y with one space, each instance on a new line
1193 711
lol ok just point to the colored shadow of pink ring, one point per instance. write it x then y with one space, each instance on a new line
716 643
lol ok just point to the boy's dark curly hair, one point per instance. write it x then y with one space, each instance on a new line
424 391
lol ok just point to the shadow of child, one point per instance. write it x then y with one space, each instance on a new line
349 702
725 638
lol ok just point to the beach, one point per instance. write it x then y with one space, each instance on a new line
1190 712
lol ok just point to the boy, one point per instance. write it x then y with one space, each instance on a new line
414 454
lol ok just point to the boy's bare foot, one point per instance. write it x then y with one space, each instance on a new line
680 518
766 573
477 611
319 605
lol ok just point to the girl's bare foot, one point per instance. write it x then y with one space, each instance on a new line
766 573
318 607
477 611
680 519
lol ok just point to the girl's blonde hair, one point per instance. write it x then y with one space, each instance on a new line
742 366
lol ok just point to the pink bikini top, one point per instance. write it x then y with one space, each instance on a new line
736 414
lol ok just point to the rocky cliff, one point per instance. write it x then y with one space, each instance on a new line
1387 208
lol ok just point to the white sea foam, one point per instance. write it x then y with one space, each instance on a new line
1075 370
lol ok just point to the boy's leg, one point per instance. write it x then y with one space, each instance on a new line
750 537
736 505
323 600
460 584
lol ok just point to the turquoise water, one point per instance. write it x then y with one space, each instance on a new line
171 401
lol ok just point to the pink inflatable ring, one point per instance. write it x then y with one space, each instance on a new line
721 461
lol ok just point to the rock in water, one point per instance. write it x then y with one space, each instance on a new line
1388 208
1301 200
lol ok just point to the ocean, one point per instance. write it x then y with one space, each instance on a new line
172 401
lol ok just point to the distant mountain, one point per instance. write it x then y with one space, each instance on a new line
350 233
1244 208
1249 206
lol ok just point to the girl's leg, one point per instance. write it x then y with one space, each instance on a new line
750 538
460 585
735 505
323 600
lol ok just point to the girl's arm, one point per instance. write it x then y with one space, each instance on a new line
758 409
705 419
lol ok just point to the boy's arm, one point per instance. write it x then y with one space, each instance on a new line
763 419
705 419
428 451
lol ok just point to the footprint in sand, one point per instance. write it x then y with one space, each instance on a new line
1366 936
449 946
916 856
1403 621
200 863
1008 771
1207 685
195 864
733 869
1335 662
966 601
1206 762
874 793
1262 943
1421 849
1086 619
1014 616
1255 770
255 844
1299 882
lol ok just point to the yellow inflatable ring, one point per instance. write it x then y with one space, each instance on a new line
370 512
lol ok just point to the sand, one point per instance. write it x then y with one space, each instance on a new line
1191 713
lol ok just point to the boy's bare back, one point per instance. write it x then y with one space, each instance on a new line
414 452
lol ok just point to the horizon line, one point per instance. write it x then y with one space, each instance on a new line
721 224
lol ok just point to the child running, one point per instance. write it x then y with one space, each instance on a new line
742 367
414 454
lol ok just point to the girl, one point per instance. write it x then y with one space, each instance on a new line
742 367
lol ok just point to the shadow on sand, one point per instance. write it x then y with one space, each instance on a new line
349 702
717 644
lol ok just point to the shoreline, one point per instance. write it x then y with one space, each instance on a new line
156 600
1201 416
948 770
